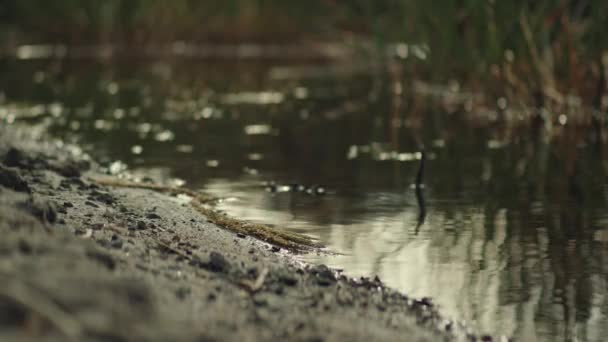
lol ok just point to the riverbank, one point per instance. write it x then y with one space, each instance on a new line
91 262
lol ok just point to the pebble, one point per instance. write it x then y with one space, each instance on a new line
11 179
217 262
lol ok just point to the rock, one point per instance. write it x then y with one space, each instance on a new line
324 276
116 242
101 197
67 169
11 179
217 262
14 158
141 225
153 216
287 278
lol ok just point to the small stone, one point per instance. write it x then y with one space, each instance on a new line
102 197
11 179
14 157
153 216
217 262
325 277
141 225
116 242
288 279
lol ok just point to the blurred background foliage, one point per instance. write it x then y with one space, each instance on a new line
556 46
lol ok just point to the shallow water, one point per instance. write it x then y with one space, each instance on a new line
515 231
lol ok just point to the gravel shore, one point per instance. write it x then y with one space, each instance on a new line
83 261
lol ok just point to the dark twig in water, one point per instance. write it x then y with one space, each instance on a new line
419 186
420 174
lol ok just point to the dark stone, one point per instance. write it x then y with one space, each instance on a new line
102 197
275 249
67 170
260 301
217 262
252 271
288 279
241 235
141 225
68 205
325 277
153 216
14 157
116 242
11 179
24 247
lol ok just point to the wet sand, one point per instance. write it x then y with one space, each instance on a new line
83 261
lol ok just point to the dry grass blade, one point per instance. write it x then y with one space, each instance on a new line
291 241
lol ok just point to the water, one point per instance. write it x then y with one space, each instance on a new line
515 232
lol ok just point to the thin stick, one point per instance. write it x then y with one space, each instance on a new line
255 286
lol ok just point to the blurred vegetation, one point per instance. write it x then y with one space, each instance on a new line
540 48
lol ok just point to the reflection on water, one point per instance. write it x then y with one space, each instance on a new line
514 230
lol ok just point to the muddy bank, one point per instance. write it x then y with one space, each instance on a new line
84 261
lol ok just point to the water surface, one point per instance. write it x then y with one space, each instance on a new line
515 231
